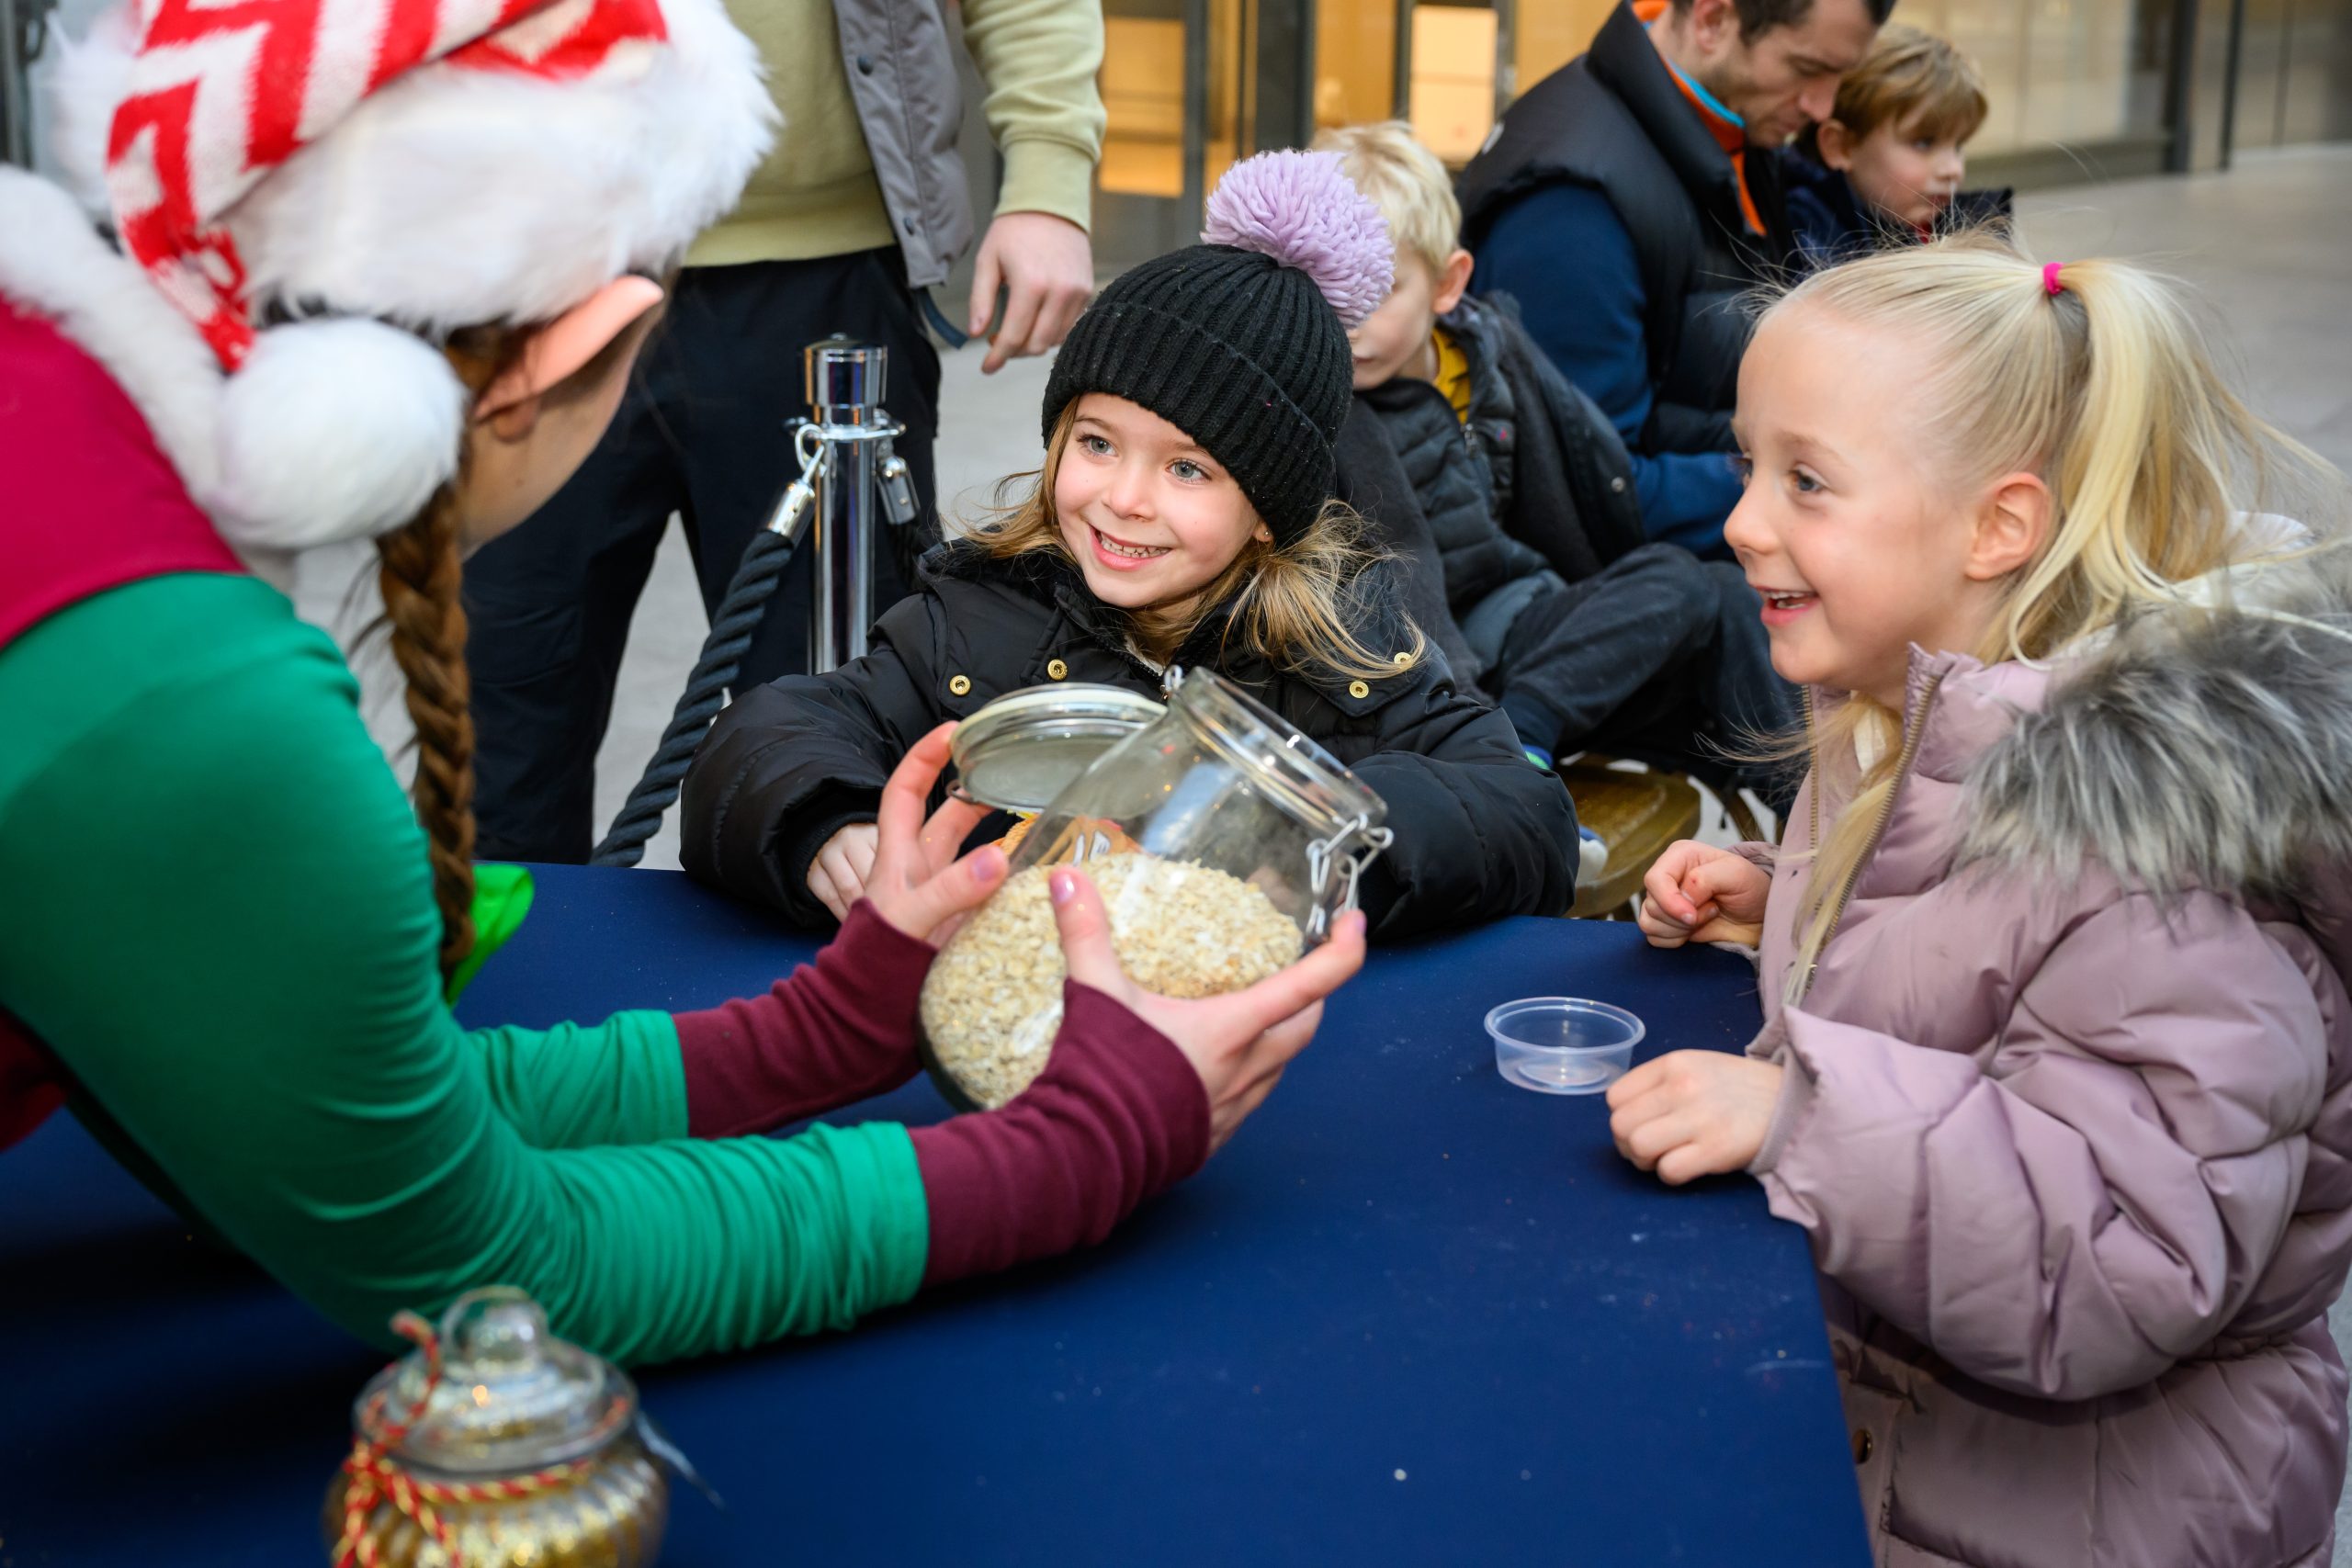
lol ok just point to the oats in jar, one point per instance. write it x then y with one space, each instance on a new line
993 999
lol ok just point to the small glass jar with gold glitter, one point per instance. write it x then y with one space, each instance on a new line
497 1445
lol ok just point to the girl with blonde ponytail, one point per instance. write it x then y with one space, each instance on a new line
2056 1063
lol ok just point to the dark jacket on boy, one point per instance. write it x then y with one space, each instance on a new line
1535 482
1834 225
1481 833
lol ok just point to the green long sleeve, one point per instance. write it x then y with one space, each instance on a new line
219 917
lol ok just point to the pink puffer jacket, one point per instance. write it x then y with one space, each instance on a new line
2068 1116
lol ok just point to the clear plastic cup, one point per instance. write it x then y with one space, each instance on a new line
1563 1045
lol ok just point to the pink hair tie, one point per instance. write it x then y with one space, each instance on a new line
2049 284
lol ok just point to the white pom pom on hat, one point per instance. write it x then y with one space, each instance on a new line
609 133
335 429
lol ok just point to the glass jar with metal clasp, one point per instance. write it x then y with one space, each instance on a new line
1223 840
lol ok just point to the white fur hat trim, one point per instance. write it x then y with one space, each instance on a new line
336 429
449 197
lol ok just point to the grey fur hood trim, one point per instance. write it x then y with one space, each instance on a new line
2202 745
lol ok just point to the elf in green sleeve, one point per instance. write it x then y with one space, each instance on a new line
226 943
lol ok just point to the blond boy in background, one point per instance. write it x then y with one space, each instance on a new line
1467 449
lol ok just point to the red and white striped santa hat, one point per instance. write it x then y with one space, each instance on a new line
324 188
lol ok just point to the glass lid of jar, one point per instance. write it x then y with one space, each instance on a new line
1295 771
1017 752
512 1397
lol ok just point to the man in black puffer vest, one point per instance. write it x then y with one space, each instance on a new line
1630 198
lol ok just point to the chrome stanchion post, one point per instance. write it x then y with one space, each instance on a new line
23 27
862 485
848 484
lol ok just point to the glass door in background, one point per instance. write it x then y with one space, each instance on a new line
1183 85
1147 70
1448 66
2294 72
1454 73
1190 85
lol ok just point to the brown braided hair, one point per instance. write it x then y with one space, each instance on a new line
418 572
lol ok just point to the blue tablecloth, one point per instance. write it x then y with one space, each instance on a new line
1411 1316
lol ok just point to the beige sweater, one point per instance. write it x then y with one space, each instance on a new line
816 195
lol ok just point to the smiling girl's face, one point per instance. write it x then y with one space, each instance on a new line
1151 518
1859 544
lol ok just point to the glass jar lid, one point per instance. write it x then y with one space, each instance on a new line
512 1397
1017 752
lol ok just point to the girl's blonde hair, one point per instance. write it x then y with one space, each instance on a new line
2106 390
1294 605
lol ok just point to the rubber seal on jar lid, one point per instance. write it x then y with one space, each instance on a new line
1017 752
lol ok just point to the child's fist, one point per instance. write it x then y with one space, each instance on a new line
1696 892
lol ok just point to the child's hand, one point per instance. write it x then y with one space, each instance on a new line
1696 892
1693 1113
837 876
1239 1042
905 866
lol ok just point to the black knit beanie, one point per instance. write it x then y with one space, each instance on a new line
1242 342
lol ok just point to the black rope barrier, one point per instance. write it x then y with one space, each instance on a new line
763 562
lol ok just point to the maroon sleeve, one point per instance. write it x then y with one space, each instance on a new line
838 1029
1117 1116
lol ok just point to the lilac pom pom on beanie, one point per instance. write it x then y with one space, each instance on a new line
1242 342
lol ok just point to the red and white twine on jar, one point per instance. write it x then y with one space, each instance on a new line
376 1477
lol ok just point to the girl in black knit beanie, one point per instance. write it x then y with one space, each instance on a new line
1184 515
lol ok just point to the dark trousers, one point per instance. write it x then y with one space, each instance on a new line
700 433
1660 656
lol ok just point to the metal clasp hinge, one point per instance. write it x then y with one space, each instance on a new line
790 517
1326 855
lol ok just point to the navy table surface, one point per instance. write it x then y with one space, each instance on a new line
1412 1315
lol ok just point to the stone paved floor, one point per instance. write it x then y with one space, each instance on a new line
2267 244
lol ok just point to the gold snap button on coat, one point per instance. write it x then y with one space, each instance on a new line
1863 1446
1403 659
1057 670
960 684
1358 690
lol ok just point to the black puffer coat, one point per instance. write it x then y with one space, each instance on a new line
1479 832
1537 481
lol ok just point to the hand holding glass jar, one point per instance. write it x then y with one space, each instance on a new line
914 879
1239 1042
1220 841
